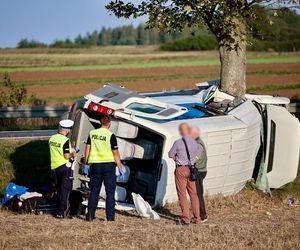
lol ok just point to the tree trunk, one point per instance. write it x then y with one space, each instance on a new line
232 49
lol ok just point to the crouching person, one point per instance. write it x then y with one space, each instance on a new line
102 154
60 154
184 152
201 165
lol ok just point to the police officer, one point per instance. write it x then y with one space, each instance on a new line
102 154
60 154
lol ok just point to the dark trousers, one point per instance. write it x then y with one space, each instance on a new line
64 187
102 172
200 191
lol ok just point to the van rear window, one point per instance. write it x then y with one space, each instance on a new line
145 108
111 94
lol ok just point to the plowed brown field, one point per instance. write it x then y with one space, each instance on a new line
60 90
62 85
152 85
109 73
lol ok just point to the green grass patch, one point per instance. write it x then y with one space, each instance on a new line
24 162
13 124
290 188
274 87
273 72
62 99
7 172
147 65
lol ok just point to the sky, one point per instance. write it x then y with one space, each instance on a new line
47 20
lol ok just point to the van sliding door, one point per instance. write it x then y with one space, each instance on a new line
283 144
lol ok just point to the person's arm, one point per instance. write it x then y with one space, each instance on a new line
117 158
66 148
115 151
87 153
200 149
87 150
172 152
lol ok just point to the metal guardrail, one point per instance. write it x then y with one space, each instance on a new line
32 112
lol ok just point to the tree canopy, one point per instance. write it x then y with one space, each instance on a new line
219 15
228 20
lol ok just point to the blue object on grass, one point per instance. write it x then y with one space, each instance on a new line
12 190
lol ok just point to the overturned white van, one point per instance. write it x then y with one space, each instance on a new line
240 134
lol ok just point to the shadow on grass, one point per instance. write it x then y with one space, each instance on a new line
125 213
162 211
166 213
31 163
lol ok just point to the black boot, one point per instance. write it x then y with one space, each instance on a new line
89 217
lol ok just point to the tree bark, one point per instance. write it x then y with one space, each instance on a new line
232 49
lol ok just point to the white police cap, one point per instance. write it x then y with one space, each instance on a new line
67 124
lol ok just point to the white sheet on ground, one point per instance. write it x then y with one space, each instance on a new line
143 208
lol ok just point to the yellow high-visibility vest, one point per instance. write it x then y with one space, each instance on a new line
56 143
100 146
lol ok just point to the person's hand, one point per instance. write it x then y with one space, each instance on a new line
122 173
117 171
74 152
86 169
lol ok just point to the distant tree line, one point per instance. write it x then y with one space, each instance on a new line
25 43
123 35
282 33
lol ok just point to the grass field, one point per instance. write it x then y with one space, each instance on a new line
248 220
62 75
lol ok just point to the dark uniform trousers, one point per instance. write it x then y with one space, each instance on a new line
64 187
100 172
200 191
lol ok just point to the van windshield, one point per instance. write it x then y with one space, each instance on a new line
145 108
